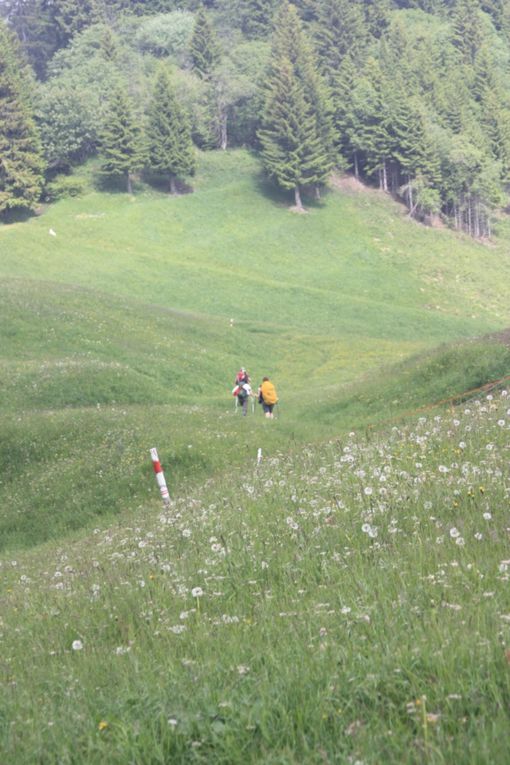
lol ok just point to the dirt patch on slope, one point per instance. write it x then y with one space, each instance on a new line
503 337
348 183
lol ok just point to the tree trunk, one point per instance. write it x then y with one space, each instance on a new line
173 186
356 166
317 191
384 177
129 184
297 198
223 130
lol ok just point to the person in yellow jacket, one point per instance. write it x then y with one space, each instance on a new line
267 397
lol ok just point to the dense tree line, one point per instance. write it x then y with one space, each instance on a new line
412 95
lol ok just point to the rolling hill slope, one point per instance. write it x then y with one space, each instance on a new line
116 334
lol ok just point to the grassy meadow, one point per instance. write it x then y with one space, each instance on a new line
342 602
347 603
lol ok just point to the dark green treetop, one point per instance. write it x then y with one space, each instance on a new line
120 140
169 150
205 51
21 162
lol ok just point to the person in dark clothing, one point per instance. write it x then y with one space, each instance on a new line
242 389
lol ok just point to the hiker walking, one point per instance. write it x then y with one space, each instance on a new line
242 389
267 397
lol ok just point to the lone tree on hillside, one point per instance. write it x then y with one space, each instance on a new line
292 150
296 133
21 162
120 141
169 148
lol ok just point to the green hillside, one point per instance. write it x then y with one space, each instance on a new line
116 333
336 604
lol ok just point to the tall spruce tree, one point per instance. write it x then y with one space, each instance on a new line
33 23
21 162
369 136
296 134
468 32
340 31
256 17
120 140
205 51
341 88
169 149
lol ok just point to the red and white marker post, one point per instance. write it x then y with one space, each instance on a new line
160 477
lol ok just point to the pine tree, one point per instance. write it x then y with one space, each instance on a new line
72 16
341 88
32 21
340 31
256 17
169 149
21 163
467 29
496 125
120 140
340 41
369 134
413 150
204 48
291 146
376 15
295 136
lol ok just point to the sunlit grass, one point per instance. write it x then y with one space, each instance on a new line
341 604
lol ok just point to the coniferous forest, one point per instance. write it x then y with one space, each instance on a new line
412 96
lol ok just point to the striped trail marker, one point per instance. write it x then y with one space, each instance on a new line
160 477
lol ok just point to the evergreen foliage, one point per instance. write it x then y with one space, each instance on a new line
120 140
21 162
412 95
169 149
204 48
256 17
295 136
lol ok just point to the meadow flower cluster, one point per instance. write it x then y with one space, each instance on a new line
319 603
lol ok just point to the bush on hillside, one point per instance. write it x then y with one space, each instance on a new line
64 186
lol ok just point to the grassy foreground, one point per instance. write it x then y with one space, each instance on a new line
346 604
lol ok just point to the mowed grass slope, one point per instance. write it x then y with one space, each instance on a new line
116 334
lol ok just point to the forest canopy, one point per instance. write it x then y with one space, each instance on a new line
413 96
